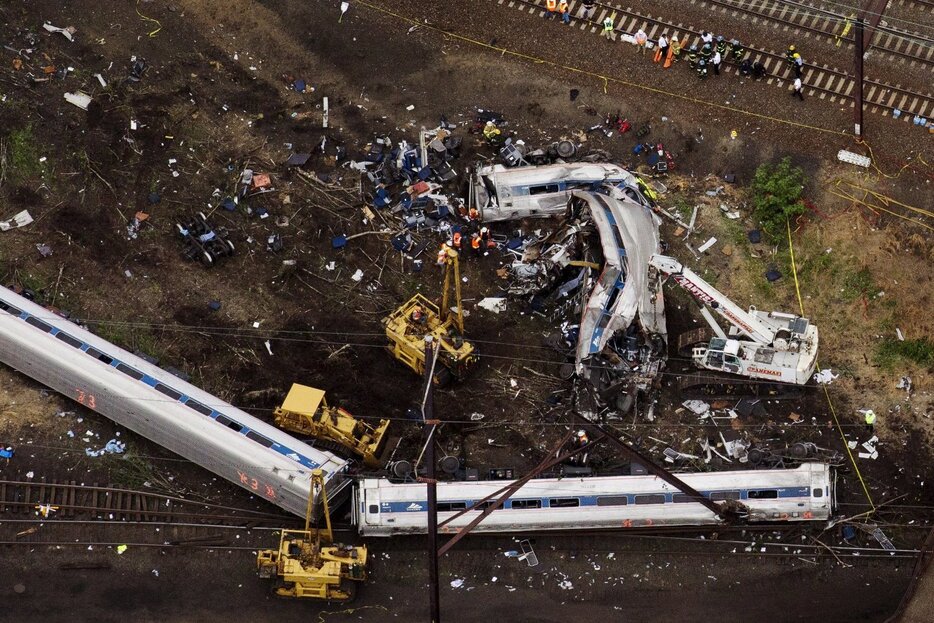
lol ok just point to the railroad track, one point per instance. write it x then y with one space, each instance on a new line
73 500
809 18
825 82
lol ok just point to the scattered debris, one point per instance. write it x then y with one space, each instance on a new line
21 219
825 376
80 99
112 447
493 304
67 32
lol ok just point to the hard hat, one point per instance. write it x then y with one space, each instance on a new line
796 55
719 37
791 48
483 230
581 433
674 37
490 123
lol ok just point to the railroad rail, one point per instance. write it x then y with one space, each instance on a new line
807 17
826 82
71 499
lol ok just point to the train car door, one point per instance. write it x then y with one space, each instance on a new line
370 505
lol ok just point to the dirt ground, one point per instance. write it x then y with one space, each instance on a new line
216 98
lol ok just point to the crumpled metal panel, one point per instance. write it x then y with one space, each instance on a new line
629 237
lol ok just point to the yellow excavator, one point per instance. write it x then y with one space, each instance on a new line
306 565
407 327
306 412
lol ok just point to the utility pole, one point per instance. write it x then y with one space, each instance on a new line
429 421
858 109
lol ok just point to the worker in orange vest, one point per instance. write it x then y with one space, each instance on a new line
485 238
418 314
565 11
475 243
456 240
552 7
473 214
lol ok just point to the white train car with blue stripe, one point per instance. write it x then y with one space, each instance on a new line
802 494
163 408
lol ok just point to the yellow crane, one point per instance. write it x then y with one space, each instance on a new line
306 412
407 327
307 565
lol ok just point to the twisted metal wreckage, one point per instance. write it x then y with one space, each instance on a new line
592 276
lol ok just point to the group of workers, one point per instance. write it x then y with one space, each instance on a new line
479 240
707 58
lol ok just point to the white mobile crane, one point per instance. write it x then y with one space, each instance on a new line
761 345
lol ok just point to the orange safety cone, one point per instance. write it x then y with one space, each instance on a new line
658 54
670 57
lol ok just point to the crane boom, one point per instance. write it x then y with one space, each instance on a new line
746 323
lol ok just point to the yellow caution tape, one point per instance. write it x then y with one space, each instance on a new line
149 19
794 272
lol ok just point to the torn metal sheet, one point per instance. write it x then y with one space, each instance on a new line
79 99
21 219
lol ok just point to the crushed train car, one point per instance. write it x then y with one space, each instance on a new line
591 276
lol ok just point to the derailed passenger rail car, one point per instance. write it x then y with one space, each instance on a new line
163 408
802 494
502 194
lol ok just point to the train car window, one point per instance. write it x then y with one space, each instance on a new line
763 494
168 391
374 509
9 309
817 492
526 504
130 372
544 189
612 500
197 406
38 324
682 498
254 436
226 421
71 341
720 496
447 507
650 498
563 502
482 506
99 355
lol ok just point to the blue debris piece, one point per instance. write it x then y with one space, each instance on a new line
339 242
229 204
755 236
382 199
299 85
772 275
214 305
154 198
7 453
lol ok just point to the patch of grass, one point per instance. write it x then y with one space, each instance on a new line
819 265
891 350
23 154
858 284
